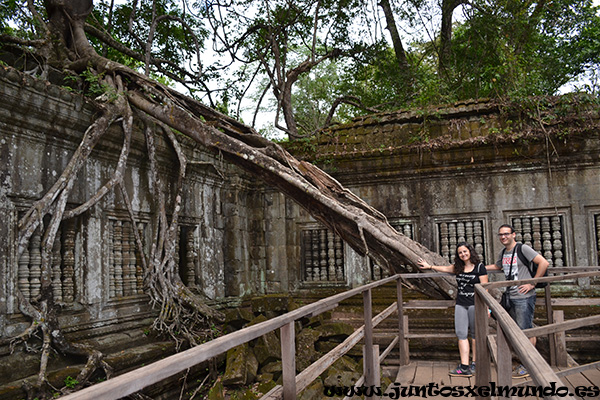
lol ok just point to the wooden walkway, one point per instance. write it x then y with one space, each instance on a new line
424 373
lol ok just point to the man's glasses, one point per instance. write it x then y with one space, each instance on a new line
504 234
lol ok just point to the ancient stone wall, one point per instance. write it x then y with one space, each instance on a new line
97 275
440 176
457 173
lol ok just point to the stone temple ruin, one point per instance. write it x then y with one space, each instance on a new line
440 176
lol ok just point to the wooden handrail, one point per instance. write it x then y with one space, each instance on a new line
546 279
138 379
542 374
562 326
540 371
508 333
304 378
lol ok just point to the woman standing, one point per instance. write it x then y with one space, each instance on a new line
468 271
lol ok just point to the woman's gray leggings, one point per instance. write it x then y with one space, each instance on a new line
464 320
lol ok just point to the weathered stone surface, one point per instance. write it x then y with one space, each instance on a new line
274 303
306 352
335 377
242 394
334 330
317 320
265 385
313 391
265 377
272 368
344 372
236 371
238 318
217 391
251 366
267 348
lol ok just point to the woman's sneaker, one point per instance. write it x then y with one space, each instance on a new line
520 372
472 367
461 370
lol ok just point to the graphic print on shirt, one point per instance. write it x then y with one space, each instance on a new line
506 258
465 282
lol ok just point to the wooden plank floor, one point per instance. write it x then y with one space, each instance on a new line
424 373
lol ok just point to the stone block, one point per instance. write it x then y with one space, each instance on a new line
334 330
238 318
306 352
313 391
273 302
236 369
251 366
267 348
272 368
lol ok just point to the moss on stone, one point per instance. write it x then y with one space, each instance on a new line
237 318
313 391
334 330
271 303
236 369
216 392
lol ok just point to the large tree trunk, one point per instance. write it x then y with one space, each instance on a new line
361 226
448 7
396 41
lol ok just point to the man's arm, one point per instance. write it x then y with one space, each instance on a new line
543 265
492 267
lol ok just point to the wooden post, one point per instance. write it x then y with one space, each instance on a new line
406 330
376 365
402 342
288 361
550 318
503 359
369 362
561 344
484 373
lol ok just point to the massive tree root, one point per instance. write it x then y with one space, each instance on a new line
46 215
160 109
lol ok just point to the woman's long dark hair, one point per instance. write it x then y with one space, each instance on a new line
459 265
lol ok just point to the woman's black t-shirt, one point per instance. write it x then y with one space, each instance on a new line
466 285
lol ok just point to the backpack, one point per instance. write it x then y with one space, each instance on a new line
532 267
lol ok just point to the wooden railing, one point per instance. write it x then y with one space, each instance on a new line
495 348
509 336
140 378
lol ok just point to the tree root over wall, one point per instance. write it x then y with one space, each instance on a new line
128 96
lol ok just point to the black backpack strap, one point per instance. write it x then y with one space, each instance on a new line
523 259
511 260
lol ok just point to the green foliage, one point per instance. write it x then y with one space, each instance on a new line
499 49
93 85
16 20
71 382
513 48
172 40
506 49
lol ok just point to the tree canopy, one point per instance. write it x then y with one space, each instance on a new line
235 55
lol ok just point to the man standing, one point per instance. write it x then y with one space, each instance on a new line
522 297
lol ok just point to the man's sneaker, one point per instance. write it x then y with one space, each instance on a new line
520 372
472 367
461 371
